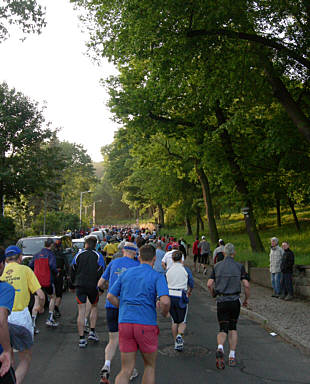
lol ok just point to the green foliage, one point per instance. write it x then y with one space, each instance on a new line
27 15
56 222
7 231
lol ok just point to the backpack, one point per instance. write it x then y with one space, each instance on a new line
219 257
42 270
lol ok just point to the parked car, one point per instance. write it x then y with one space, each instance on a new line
33 244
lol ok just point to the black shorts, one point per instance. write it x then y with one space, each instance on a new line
49 290
227 314
83 293
59 283
9 377
112 319
177 313
204 258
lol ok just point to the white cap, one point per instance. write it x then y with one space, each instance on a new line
203 237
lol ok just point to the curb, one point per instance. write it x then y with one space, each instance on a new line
265 323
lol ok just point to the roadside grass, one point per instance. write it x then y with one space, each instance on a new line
232 229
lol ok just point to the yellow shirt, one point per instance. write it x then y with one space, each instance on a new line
23 279
110 249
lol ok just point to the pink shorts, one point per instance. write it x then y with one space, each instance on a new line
134 336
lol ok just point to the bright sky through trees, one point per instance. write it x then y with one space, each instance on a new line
53 67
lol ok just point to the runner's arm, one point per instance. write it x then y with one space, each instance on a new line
5 357
210 285
164 305
114 300
246 286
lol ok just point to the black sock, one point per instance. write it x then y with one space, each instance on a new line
56 308
82 337
92 329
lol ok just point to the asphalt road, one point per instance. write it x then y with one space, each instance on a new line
261 357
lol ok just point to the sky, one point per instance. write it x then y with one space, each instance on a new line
53 68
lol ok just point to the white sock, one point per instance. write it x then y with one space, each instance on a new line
232 354
220 346
85 321
107 363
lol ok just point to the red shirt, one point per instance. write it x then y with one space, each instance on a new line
195 248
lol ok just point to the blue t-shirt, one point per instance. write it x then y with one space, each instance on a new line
115 269
7 295
138 289
159 256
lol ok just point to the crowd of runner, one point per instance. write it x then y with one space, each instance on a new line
142 274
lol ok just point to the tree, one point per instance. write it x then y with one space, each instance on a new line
27 15
23 145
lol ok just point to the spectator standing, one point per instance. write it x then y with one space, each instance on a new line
135 293
287 292
275 255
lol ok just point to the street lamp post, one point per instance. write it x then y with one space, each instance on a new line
94 211
81 201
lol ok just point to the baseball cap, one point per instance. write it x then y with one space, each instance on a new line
203 237
12 250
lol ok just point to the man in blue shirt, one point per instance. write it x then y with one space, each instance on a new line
7 295
114 270
135 293
160 253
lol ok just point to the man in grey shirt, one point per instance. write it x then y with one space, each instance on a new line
205 251
225 284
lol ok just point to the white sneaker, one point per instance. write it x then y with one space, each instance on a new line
83 343
134 374
93 336
51 323
179 343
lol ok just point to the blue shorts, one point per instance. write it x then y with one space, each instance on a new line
177 313
21 338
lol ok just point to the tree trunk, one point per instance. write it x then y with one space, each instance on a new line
161 216
300 120
188 225
197 222
208 203
202 225
278 212
241 184
291 204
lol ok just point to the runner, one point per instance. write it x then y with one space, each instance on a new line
24 281
44 266
225 284
218 254
111 274
109 249
135 293
196 254
86 269
180 283
62 266
167 259
205 251
7 294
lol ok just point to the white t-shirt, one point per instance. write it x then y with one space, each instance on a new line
167 259
177 278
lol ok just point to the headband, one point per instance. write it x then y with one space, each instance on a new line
130 248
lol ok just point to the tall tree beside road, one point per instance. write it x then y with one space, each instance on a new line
23 145
27 15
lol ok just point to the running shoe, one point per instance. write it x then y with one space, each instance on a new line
93 336
51 323
179 343
134 374
104 375
232 362
83 343
220 363
57 313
